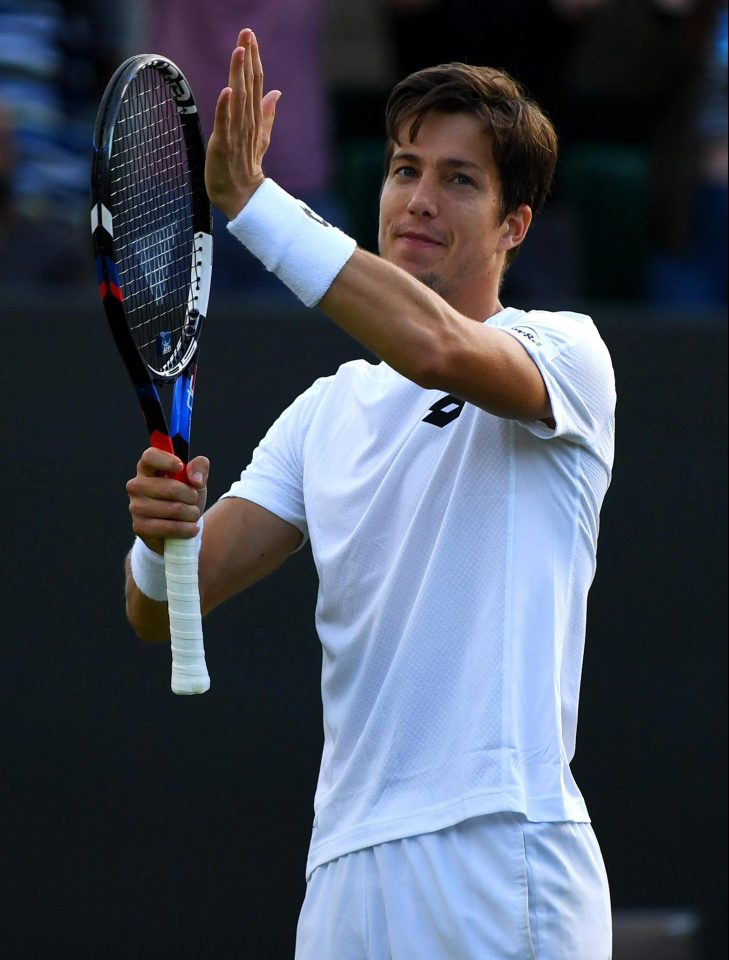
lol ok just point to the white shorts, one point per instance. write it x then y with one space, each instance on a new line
492 888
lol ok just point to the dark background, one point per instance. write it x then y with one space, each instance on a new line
137 824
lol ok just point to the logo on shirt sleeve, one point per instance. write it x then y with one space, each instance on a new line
529 333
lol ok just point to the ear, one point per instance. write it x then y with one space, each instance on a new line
515 227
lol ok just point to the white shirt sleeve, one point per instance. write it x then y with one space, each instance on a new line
274 477
577 372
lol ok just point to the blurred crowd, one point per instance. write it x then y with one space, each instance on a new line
637 90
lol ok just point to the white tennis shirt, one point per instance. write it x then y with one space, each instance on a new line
455 550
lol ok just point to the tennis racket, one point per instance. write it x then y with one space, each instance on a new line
152 234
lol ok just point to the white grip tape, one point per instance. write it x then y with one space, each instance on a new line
189 672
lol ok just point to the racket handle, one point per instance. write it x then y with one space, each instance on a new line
189 673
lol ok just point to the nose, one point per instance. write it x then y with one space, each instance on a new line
423 201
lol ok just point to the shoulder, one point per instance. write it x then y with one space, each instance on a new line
346 373
331 389
537 327
575 365
353 377
551 334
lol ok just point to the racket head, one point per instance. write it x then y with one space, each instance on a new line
151 219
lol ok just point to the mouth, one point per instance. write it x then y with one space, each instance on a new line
415 238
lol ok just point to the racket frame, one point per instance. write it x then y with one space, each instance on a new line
181 370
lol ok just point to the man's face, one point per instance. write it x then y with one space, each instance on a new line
439 209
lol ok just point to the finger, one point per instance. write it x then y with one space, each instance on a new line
154 461
149 509
249 82
238 87
161 488
235 62
257 69
154 530
222 113
170 467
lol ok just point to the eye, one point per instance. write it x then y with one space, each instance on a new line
405 172
462 180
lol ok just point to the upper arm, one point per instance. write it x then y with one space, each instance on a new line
421 336
489 368
242 543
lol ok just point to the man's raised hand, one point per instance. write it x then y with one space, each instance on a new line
242 131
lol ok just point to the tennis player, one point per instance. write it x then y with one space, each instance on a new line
451 496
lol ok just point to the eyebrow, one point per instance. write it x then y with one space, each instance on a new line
447 162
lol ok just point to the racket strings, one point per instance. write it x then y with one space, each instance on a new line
152 190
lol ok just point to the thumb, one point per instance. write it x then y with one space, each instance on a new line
268 109
198 470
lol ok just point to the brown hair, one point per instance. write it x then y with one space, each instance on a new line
524 140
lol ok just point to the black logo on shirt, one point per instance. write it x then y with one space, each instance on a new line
445 411
529 333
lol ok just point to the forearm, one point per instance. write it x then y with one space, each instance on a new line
248 545
148 618
243 543
396 317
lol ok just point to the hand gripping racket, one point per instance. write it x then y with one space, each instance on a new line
152 233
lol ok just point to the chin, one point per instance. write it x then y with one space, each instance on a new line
431 280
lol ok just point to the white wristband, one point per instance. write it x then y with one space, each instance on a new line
148 568
290 240
148 571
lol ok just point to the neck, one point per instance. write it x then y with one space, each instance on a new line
478 305
479 301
